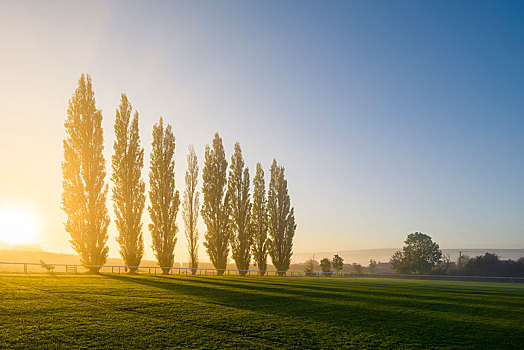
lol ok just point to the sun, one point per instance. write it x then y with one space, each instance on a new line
17 225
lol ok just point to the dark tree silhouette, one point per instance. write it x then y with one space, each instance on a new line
325 265
337 263
397 262
83 169
419 255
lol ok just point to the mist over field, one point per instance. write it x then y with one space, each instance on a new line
362 256
262 174
25 253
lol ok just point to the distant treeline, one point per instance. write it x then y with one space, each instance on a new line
250 227
420 255
483 265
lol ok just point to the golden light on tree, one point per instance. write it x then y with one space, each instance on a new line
215 207
164 197
83 169
240 209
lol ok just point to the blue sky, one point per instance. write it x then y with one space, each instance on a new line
390 117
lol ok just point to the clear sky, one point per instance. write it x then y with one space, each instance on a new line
389 117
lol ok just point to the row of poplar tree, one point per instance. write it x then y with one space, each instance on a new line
251 229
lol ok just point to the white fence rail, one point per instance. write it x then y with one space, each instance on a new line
31 268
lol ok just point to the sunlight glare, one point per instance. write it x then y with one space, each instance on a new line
17 225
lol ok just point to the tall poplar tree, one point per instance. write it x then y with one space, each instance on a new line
163 196
281 220
259 221
129 188
83 170
190 208
240 211
215 207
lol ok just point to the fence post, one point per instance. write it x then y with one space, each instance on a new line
25 268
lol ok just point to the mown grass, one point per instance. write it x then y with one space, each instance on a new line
117 311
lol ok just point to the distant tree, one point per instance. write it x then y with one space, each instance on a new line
484 265
489 264
397 262
337 263
83 170
419 255
357 267
163 195
462 260
190 208
444 265
372 265
215 207
239 211
129 188
259 221
310 266
282 224
325 265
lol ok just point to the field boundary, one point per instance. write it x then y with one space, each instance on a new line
154 270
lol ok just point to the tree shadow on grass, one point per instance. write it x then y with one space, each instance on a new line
424 295
422 289
398 299
402 323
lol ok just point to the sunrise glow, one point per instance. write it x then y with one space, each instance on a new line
17 225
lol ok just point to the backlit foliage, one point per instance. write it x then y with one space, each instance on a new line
282 224
83 170
163 195
259 221
240 211
215 207
190 208
129 188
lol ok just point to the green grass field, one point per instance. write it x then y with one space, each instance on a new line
117 311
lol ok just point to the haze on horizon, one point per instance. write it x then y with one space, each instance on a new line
389 119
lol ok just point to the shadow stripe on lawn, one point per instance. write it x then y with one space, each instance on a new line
464 329
397 300
252 339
